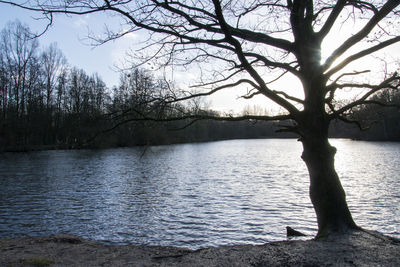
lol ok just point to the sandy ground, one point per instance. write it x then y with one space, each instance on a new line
355 249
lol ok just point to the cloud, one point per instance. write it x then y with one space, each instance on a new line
131 36
81 21
126 35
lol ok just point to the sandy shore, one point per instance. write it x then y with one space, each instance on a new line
356 249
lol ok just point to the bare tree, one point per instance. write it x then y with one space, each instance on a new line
53 61
256 43
18 48
4 84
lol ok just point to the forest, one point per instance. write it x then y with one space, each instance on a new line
47 104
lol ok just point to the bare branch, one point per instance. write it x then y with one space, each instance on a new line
363 5
333 84
258 37
275 64
331 88
361 54
217 81
295 99
388 7
246 65
57 10
382 104
363 99
219 88
139 116
357 123
331 19
250 94
208 117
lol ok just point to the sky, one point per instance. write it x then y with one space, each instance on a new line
70 33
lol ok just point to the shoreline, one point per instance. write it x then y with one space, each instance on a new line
38 148
358 248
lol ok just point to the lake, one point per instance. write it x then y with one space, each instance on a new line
190 195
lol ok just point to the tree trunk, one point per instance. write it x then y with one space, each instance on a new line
326 192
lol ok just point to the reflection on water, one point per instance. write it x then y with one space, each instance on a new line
192 195
370 174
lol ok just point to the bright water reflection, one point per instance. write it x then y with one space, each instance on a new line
192 195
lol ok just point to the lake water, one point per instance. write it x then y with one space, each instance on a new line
190 195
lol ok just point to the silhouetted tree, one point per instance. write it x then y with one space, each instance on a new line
246 42
380 122
42 100
18 52
53 61
18 48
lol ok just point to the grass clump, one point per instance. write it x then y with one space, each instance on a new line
38 262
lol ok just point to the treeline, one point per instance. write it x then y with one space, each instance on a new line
45 103
380 123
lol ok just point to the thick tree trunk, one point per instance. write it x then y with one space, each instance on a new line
326 192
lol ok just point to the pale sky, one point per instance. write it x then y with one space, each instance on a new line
70 33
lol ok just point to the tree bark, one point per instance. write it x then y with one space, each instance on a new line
326 192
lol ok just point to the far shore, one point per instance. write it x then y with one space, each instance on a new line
33 148
358 248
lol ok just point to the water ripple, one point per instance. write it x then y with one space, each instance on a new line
191 195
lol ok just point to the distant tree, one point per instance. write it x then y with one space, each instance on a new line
18 48
99 95
4 85
382 123
19 78
53 61
60 95
138 93
246 43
